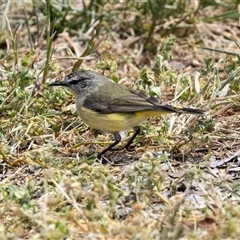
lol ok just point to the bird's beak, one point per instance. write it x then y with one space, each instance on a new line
62 83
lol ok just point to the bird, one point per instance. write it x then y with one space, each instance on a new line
110 107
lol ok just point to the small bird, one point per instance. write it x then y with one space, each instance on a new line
110 107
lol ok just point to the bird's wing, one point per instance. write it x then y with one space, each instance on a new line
128 101
139 101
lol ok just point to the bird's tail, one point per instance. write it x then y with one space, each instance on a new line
192 111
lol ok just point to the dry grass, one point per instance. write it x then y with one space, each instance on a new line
182 180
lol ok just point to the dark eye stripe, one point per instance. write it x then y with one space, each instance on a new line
74 82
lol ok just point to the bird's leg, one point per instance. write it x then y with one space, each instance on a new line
137 131
118 138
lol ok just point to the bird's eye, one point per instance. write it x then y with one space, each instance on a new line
74 82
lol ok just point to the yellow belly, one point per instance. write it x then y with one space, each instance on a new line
115 122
